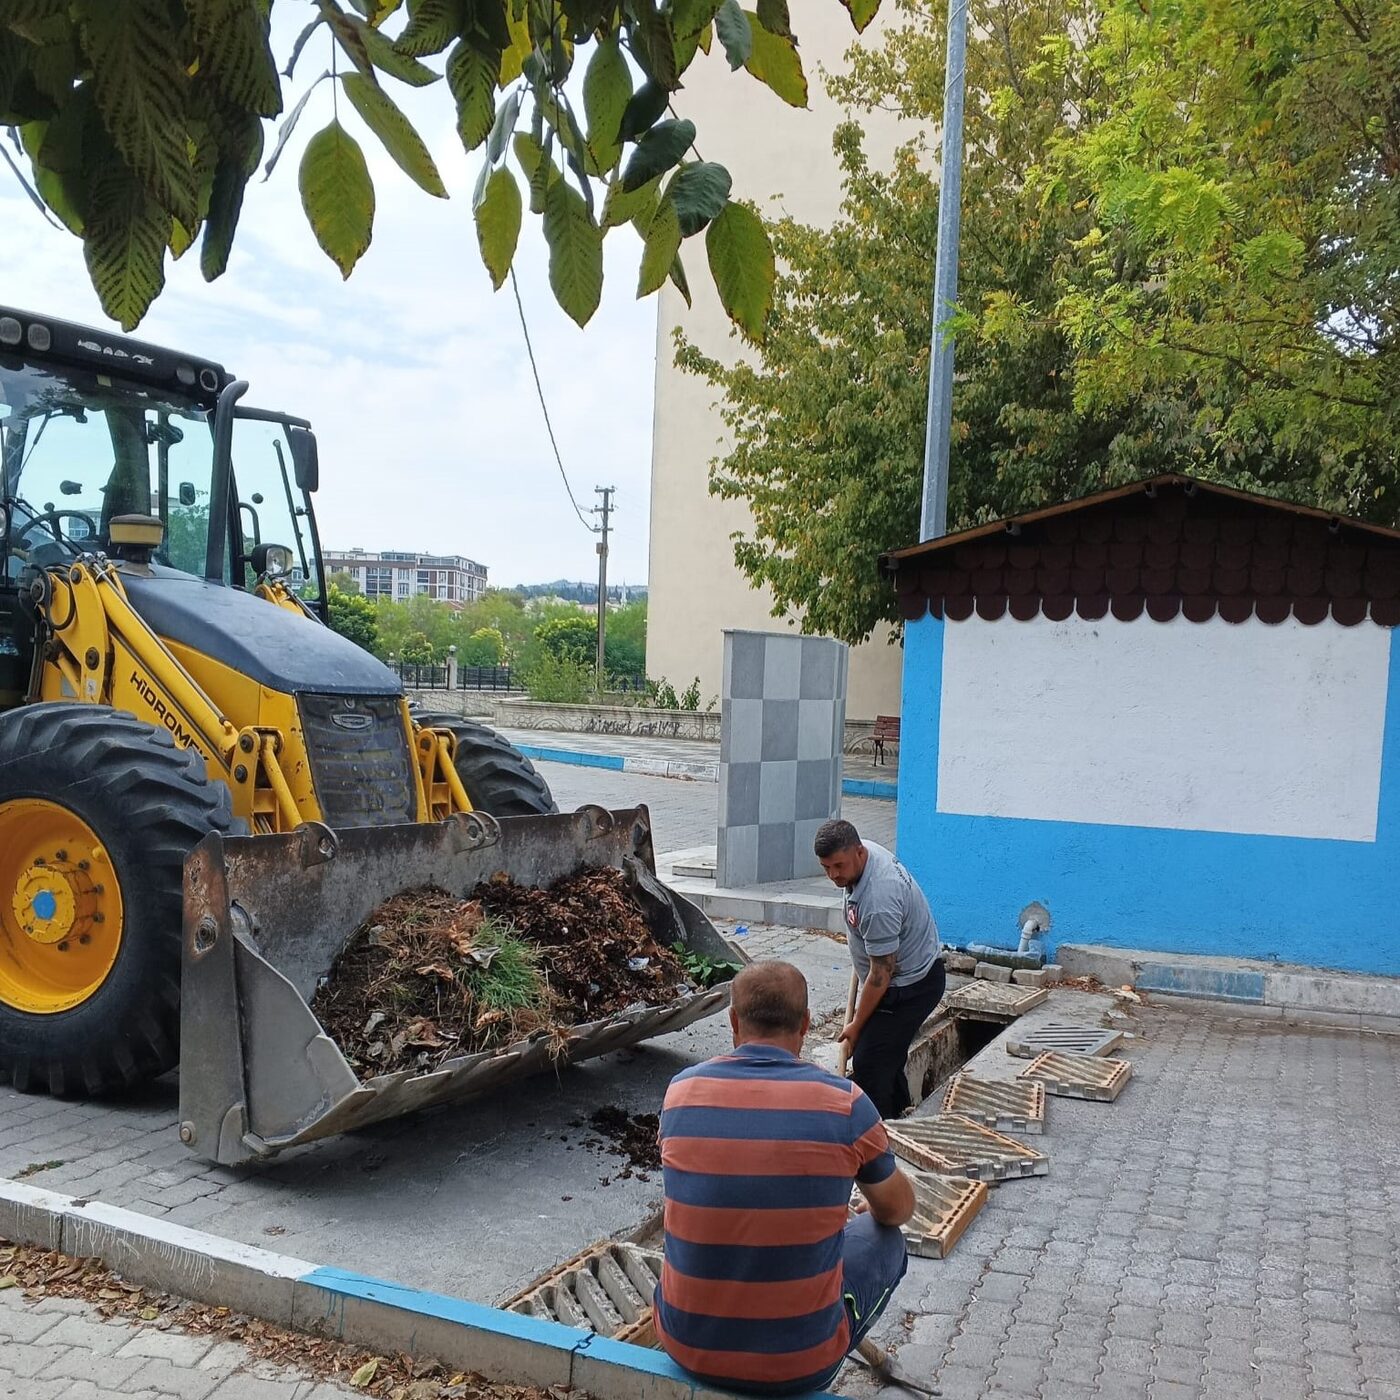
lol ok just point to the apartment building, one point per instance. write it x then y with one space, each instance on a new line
400 574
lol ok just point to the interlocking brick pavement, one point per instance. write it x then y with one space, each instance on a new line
1226 1230
63 1349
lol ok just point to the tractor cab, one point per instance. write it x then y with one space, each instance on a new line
96 430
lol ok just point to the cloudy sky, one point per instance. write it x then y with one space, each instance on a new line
414 371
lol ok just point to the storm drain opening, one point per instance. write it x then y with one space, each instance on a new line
946 1043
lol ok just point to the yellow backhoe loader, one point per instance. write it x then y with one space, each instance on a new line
167 683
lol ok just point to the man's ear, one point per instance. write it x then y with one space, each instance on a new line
806 1021
734 1024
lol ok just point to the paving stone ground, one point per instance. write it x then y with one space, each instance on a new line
63 1349
1227 1229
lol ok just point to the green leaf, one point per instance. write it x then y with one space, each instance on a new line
607 91
689 17
240 150
395 132
735 33
471 74
498 218
742 264
432 26
140 83
503 128
773 16
124 240
575 252
679 280
647 104
862 12
337 195
657 151
699 191
388 59
235 52
539 169
775 61
520 48
652 45
284 132
624 206
663 242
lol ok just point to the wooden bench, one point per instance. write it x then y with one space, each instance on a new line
886 729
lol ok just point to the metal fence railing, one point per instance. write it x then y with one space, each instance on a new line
436 677
483 678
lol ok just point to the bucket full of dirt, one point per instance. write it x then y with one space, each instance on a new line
334 979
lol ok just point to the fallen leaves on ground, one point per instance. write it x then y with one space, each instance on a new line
47 1274
430 977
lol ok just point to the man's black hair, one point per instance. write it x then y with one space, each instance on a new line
833 836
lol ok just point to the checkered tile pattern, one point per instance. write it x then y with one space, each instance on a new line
780 753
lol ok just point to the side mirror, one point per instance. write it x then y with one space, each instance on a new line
306 465
187 493
271 561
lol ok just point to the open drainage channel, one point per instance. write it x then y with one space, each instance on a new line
608 1287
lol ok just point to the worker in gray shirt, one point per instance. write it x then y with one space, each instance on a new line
894 947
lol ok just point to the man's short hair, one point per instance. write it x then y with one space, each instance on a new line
770 998
833 836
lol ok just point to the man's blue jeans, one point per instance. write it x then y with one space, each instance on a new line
875 1259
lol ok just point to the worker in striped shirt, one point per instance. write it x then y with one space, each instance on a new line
767 1285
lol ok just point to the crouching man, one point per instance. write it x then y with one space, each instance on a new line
766 1285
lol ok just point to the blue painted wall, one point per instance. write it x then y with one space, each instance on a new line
1327 903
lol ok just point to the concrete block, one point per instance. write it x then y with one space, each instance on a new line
1030 977
203 1267
1054 974
958 962
991 972
31 1215
178 1348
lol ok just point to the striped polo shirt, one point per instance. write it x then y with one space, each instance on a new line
760 1150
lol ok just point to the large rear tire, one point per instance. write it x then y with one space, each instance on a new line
498 778
97 814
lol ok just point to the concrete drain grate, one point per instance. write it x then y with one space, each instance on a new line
994 999
1067 1039
606 1289
1079 1076
944 1206
952 1145
1012 1105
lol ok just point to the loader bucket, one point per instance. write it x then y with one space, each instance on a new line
266 917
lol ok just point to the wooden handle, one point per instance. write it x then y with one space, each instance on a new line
844 1055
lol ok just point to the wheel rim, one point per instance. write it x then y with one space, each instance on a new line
60 908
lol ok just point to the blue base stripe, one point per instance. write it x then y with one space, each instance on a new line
868 787
573 756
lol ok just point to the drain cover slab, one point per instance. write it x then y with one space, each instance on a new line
1079 1076
1013 1105
952 1145
994 998
1068 1039
606 1289
944 1206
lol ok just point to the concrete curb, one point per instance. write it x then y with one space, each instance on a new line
680 768
1287 991
368 1312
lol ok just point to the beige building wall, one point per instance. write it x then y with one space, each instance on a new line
780 157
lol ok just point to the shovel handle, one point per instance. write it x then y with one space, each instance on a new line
844 1054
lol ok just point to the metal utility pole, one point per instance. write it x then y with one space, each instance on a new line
934 519
605 510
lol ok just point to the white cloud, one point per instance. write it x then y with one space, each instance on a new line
414 371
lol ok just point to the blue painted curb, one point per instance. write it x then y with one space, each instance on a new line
574 757
1218 984
867 787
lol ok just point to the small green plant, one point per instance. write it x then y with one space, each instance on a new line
706 971
663 695
690 696
559 680
508 979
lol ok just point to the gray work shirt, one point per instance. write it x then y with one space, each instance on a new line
886 912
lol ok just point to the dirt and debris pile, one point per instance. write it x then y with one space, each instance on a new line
633 1135
430 977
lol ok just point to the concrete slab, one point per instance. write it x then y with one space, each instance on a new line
1011 1107
1080 1076
31 1215
1057 1035
994 998
954 1146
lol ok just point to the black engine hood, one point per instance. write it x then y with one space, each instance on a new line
276 648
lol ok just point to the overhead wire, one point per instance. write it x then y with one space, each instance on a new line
544 407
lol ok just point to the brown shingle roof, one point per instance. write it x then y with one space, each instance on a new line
1168 546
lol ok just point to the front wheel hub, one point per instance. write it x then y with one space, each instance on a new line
60 908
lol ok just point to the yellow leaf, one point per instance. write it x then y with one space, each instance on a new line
366 1373
8 1281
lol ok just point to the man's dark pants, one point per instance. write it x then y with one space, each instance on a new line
883 1048
874 1260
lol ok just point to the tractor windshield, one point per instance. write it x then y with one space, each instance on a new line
78 448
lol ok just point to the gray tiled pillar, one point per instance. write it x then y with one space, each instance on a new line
783 722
